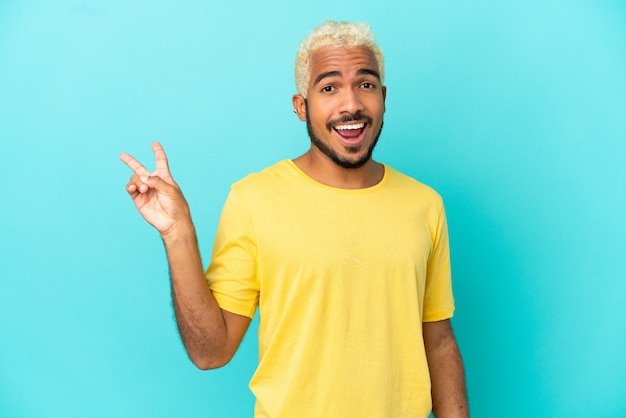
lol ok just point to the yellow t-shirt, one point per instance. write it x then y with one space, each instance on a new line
343 280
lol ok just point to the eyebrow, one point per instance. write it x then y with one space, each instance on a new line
326 75
361 71
367 71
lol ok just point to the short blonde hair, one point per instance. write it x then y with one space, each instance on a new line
339 34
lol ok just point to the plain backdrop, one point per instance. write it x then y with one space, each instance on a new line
514 111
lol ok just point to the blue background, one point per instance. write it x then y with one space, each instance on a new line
514 111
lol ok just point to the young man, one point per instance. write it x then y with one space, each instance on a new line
346 258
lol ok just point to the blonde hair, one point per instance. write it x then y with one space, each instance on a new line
339 34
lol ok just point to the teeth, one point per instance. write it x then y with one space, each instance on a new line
355 126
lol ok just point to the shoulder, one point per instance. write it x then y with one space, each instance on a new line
273 174
410 186
276 183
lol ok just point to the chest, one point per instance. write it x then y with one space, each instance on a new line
342 238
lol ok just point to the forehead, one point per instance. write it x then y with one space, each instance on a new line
342 59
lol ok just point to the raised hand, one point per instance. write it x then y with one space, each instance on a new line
156 195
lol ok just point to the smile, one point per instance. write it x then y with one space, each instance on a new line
352 126
350 133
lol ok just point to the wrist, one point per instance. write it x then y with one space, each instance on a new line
179 233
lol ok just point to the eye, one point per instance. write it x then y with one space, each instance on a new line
328 89
368 85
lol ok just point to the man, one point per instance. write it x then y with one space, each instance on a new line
346 258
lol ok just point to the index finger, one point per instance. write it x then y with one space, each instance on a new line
134 165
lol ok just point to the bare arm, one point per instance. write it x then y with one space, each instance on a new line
210 334
446 371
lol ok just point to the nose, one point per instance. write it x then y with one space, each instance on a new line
351 102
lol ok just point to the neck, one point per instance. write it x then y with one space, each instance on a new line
323 170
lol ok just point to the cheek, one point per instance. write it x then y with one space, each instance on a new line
319 115
377 104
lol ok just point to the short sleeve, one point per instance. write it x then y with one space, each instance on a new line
232 273
438 297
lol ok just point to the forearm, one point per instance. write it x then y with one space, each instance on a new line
209 334
447 375
198 316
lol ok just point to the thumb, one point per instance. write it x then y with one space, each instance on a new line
155 179
154 182
158 184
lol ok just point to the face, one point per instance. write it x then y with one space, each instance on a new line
344 106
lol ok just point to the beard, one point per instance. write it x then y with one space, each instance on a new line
332 154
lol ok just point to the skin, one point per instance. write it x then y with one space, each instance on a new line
344 84
344 89
446 370
210 335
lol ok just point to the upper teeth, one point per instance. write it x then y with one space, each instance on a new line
354 126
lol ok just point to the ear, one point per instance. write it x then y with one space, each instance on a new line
299 106
384 97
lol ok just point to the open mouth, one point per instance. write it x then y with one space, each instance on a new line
350 132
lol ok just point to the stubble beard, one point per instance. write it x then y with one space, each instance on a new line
332 154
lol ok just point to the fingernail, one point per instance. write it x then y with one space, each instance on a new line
144 178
